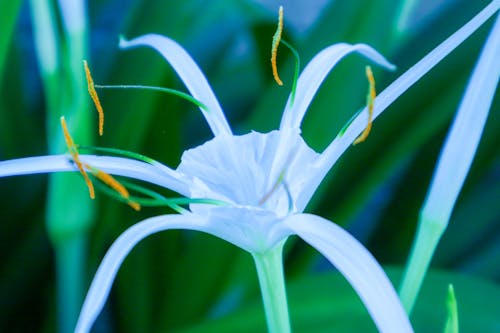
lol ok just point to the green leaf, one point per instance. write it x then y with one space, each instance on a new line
8 15
326 303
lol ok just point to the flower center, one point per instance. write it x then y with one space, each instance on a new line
256 170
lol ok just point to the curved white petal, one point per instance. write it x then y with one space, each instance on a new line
315 72
101 284
463 138
156 174
358 266
391 93
190 74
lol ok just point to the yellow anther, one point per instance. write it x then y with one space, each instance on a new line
95 98
99 174
115 185
74 155
274 48
370 100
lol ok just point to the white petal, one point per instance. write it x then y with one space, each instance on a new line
243 169
358 266
190 74
314 74
463 138
392 92
162 176
101 284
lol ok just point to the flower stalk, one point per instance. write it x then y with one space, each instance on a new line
69 213
272 285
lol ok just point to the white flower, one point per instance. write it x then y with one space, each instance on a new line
266 179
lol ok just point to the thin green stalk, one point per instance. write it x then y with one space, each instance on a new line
425 244
177 93
70 274
272 284
69 212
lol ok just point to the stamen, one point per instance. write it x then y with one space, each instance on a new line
296 71
177 93
122 153
115 185
99 174
74 156
274 48
151 198
370 99
95 98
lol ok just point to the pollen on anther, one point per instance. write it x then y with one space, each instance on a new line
115 185
274 48
75 157
93 95
370 100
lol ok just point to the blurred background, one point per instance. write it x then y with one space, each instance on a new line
181 281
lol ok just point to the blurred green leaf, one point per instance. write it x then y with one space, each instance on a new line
8 16
326 303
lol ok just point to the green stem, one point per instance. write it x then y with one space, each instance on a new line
69 212
428 235
70 254
272 284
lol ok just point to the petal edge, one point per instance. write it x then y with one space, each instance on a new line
358 266
316 71
104 277
190 74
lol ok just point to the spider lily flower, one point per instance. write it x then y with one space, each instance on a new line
264 179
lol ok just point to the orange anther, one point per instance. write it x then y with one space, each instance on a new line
74 156
370 100
274 48
115 185
95 98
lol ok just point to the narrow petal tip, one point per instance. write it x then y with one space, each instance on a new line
122 41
